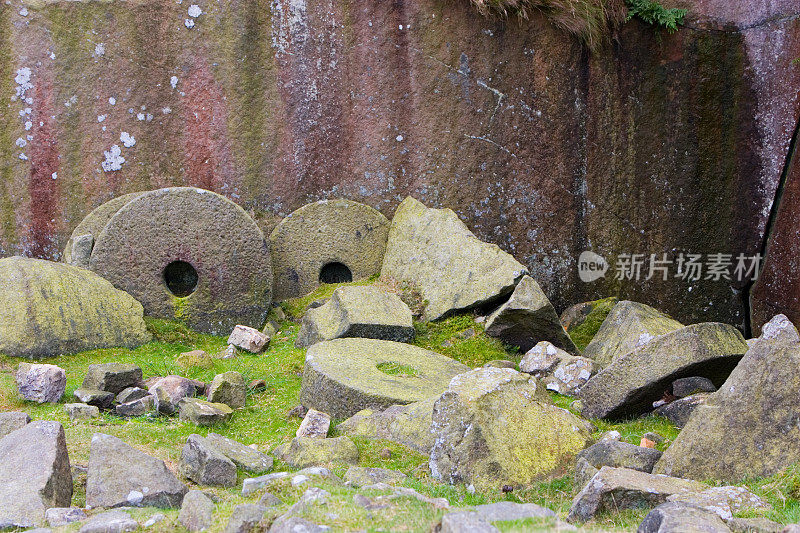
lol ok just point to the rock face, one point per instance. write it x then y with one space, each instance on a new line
120 475
496 426
409 425
343 376
558 370
629 325
40 383
34 474
48 309
211 255
744 429
435 251
616 489
366 312
527 319
631 384
329 241
112 377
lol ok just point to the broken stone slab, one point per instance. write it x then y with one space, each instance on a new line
359 476
244 457
112 377
683 387
679 411
329 241
53 309
452 269
497 426
101 399
344 376
169 391
248 338
723 501
205 465
245 518
746 428
254 484
61 516
197 511
40 383
115 521
131 394
358 311
120 475
12 421
629 325
409 425
81 411
35 474
203 413
616 454
616 489
138 407
674 517
301 452
528 318
228 388
315 424
559 371
630 385
465 521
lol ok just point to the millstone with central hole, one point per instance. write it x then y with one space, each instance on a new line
188 254
344 376
330 241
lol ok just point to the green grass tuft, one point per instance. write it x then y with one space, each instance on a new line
583 334
398 369
460 338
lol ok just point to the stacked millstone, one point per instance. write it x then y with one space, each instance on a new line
184 253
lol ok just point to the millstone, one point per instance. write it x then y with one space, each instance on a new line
342 376
188 254
327 241
94 223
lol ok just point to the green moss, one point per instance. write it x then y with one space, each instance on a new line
462 339
295 308
582 334
397 369
181 308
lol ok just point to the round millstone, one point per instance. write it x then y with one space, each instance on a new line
95 221
329 241
191 255
344 376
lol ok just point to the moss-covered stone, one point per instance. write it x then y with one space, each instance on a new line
228 388
48 309
341 377
409 425
496 426
302 452
446 262
203 413
584 319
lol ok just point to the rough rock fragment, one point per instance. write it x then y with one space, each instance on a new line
228 388
244 457
559 371
81 411
245 518
315 424
100 398
138 407
678 518
115 521
12 421
248 338
112 377
203 413
205 465
358 476
169 391
197 511
40 383
679 411
409 425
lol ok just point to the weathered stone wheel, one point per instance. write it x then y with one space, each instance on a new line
189 254
344 376
330 241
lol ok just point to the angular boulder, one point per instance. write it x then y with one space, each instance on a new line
633 382
244 457
315 424
47 309
136 407
344 376
203 413
34 474
559 371
245 518
747 428
205 465
248 338
679 411
358 311
40 383
197 511
409 425
528 318
131 394
616 489
496 426
629 325
112 377
674 517
433 250
302 452
120 475
228 388
613 453
683 387
81 411
98 398
169 391
723 501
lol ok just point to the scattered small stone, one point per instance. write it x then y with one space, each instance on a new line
138 407
679 411
245 518
229 352
100 398
81 411
169 391
304 451
271 328
298 411
683 387
195 359
41 383
115 521
131 394
559 371
61 516
269 500
611 435
205 465
653 437
310 498
294 524
112 377
257 385
203 413
153 520
197 511
253 484
248 338
359 476
12 421
228 388
315 425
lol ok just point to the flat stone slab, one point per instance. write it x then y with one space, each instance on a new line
219 264
453 269
344 376
630 385
366 312
327 232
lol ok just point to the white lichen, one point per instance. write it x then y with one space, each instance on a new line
112 100
21 142
23 81
101 118
114 159
194 11
99 49
173 81
54 175
189 23
127 139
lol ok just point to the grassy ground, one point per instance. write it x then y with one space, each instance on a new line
264 422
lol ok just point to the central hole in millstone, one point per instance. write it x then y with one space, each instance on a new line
181 278
335 273
397 369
